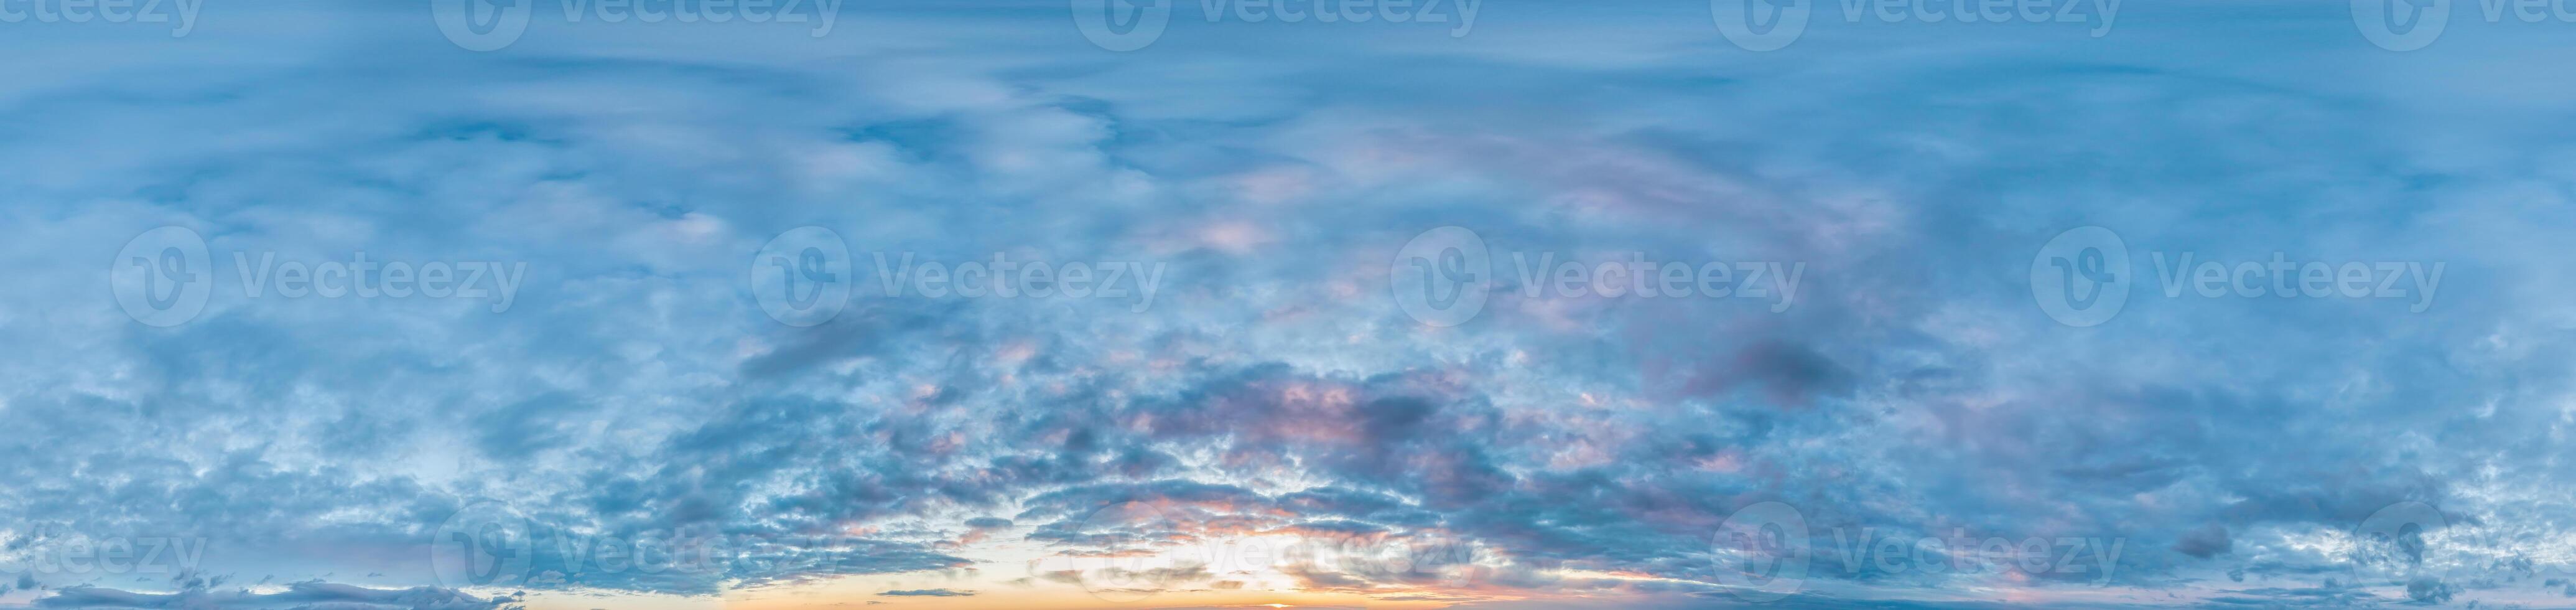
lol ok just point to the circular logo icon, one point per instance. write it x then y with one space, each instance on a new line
1760 25
484 545
1764 550
482 25
1122 25
802 277
2389 546
2401 25
1127 570
1441 278
2081 278
162 277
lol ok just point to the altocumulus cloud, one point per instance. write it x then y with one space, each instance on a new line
1577 447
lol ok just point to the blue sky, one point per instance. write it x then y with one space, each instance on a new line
1540 305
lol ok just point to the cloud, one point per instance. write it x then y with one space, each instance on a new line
635 388
298 596
2204 542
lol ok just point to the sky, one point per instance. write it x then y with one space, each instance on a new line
1479 304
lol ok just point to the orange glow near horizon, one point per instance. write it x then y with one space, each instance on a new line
1066 598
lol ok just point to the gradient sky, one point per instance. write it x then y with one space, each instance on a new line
1268 417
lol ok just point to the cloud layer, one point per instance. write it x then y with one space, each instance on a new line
1553 451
